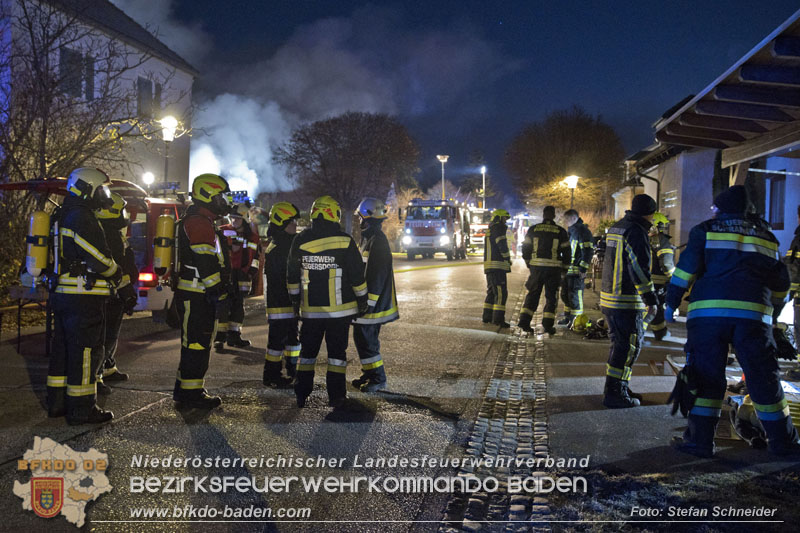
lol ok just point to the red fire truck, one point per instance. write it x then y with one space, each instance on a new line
433 226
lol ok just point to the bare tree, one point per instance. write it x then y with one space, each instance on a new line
565 143
350 156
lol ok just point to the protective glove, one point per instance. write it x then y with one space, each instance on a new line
214 294
296 306
363 305
684 393
668 314
127 295
115 278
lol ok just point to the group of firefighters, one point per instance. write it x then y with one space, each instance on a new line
321 275
738 287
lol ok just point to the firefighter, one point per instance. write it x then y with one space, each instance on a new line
663 264
242 251
546 252
87 276
327 262
496 265
114 220
381 295
627 290
201 288
731 266
792 260
581 251
282 343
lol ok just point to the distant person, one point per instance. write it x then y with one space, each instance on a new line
626 292
546 252
732 269
496 265
581 251
663 253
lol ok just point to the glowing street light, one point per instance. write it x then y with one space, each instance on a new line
572 183
483 172
443 159
148 178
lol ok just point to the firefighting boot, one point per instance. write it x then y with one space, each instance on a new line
235 340
782 438
566 321
360 381
487 313
698 439
56 402
219 341
634 395
291 368
276 380
198 400
525 322
616 395
103 389
113 375
92 415
374 380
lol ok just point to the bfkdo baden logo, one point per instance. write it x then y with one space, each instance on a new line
63 481
47 495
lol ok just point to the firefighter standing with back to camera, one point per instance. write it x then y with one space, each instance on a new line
241 244
87 275
114 221
627 292
663 260
282 342
792 261
581 250
546 252
731 266
325 278
381 296
199 264
496 265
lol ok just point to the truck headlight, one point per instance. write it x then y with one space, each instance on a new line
408 230
407 240
442 230
444 240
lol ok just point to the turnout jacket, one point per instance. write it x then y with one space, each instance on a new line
201 258
243 246
85 263
325 272
496 257
626 269
382 298
581 247
121 251
731 265
663 258
792 261
546 245
276 257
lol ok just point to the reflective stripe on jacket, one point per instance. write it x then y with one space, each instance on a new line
581 247
663 258
626 269
546 245
496 256
381 294
276 258
200 254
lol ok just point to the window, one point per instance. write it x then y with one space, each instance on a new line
70 71
144 97
777 197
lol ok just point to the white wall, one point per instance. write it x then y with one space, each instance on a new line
792 199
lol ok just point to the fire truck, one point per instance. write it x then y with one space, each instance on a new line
433 226
478 226
520 224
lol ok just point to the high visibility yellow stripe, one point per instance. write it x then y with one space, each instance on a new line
56 381
96 291
544 262
337 369
191 384
203 249
771 407
730 304
187 307
664 251
745 239
186 285
212 280
708 402
328 243
94 252
82 390
389 312
360 290
87 366
370 366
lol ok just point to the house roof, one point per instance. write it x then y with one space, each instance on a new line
752 110
110 18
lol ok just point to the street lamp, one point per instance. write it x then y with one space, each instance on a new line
168 126
148 178
572 182
483 172
443 159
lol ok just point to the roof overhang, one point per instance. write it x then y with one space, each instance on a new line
750 111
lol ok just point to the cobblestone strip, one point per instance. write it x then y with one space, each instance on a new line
511 423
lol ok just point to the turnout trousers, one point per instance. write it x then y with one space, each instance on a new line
494 307
572 295
282 344
658 325
368 345
197 330
336 332
547 278
231 314
707 352
625 330
113 319
77 353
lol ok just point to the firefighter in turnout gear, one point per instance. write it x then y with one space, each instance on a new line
663 259
627 292
282 342
87 276
546 252
325 279
241 244
581 251
732 268
199 265
792 261
114 221
496 265
381 296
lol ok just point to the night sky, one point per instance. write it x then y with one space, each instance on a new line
461 75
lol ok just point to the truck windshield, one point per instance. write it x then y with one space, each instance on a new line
425 213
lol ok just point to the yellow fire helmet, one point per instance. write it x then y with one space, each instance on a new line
371 208
115 210
89 184
327 208
660 221
500 213
282 213
207 186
